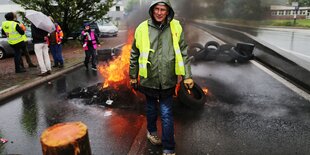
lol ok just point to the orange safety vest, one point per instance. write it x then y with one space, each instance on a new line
59 35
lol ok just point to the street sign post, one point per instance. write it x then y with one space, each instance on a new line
295 4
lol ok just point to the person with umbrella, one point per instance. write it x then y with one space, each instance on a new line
14 34
41 25
39 39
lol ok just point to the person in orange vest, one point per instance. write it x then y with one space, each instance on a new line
54 42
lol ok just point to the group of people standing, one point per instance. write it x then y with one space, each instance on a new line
42 40
157 59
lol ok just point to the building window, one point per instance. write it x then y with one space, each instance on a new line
280 13
118 8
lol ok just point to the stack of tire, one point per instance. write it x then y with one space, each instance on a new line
212 50
208 52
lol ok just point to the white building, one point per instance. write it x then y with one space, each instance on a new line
288 12
117 12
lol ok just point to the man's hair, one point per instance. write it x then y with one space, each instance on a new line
9 16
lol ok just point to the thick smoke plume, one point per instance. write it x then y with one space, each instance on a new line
187 11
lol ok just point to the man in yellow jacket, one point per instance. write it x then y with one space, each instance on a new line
14 34
25 50
158 57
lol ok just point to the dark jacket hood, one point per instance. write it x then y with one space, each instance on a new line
171 12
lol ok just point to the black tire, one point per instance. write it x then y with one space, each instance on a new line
239 56
104 54
195 100
200 55
211 48
212 45
194 49
224 53
2 54
225 47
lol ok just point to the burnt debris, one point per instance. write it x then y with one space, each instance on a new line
122 97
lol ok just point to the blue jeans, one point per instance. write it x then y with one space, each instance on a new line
166 119
56 51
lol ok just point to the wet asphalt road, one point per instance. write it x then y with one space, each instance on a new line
25 117
247 112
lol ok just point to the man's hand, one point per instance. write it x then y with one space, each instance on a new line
134 84
189 83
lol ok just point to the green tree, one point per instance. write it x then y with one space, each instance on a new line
301 2
70 14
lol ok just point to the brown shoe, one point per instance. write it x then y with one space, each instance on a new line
49 72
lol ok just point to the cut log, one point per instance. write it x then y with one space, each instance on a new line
69 138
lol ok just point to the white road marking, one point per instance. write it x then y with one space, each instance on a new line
282 80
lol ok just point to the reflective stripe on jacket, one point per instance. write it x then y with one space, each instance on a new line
9 27
143 44
59 35
93 40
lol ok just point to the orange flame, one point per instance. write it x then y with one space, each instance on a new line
205 90
116 72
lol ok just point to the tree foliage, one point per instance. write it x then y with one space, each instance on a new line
70 14
240 9
301 2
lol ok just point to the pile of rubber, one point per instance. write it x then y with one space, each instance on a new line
212 50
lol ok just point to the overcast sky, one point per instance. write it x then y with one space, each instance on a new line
6 2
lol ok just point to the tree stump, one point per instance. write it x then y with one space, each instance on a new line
66 139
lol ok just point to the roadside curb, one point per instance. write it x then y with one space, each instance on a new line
14 90
139 143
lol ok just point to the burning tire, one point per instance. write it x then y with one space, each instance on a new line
211 50
195 99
